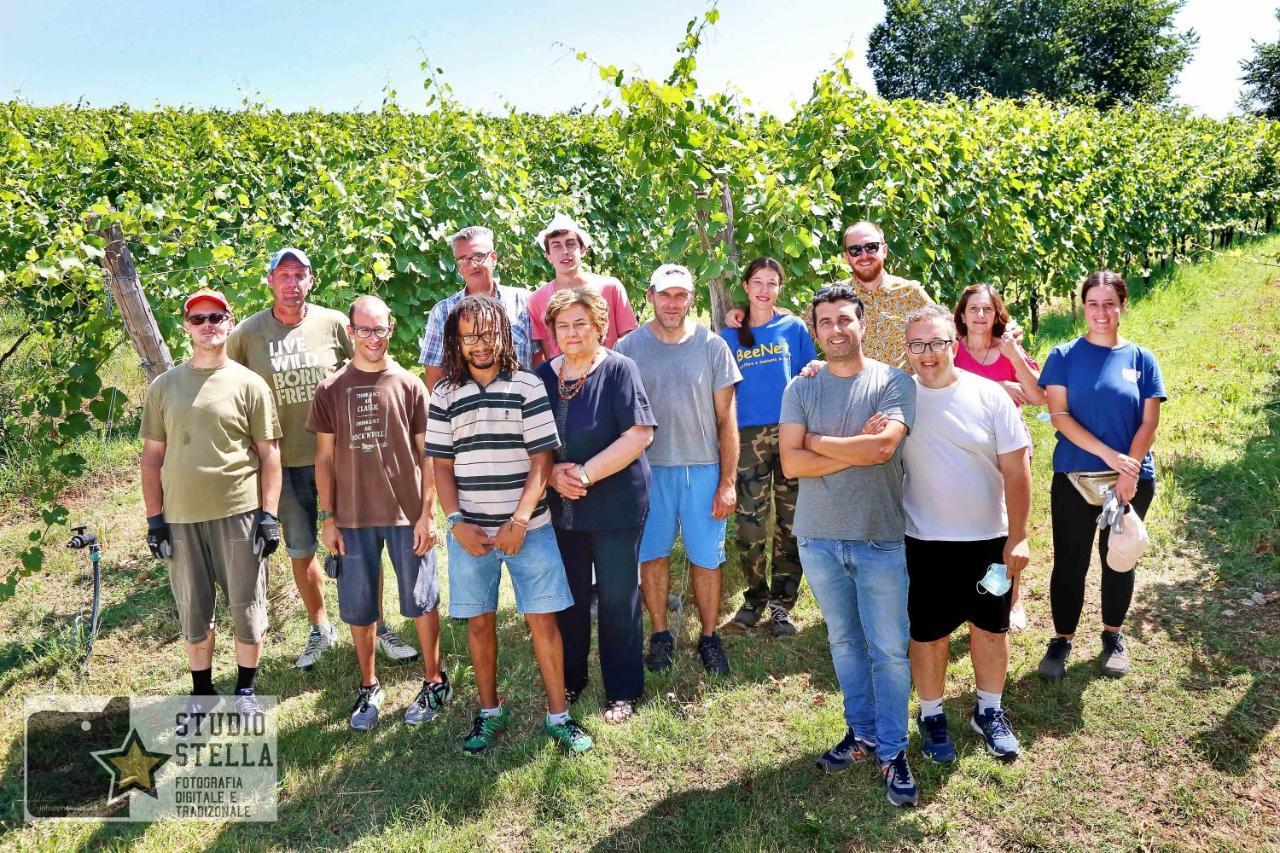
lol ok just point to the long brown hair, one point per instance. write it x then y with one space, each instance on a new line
999 322
745 336
484 312
1107 278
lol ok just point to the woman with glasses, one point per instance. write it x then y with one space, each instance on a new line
601 494
1104 396
770 348
988 348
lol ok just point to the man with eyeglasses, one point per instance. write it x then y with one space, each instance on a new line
476 260
211 487
295 344
841 434
967 496
375 487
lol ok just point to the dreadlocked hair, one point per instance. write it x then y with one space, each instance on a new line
485 313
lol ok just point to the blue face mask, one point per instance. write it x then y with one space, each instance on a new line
996 580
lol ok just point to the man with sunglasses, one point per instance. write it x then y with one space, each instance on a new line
477 262
376 489
211 487
293 345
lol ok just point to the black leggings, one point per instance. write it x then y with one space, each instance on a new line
1075 522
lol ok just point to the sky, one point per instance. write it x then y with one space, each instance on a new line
341 56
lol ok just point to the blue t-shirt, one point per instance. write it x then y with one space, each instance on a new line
1106 391
782 348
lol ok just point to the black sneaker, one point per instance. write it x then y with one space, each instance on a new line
780 621
842 756
1054 663
748 615
1114 661
661 647
900 785
713 656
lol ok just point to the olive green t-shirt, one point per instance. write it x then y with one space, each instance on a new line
209 419
293 360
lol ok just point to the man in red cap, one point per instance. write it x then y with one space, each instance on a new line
211 486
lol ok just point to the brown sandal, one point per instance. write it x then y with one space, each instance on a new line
619 711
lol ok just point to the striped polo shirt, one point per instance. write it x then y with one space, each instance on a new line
490 433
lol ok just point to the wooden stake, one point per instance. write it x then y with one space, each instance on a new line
721 301
126 289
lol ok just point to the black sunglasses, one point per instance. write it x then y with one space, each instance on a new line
870 248
214 317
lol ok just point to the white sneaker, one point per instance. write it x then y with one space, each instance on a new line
394 648
318 641
1018 618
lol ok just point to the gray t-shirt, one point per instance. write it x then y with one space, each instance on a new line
862 501
681 381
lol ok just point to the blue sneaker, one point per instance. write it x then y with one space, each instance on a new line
900 785
936 740
842 755
995 731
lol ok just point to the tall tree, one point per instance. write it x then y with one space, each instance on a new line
1261 79
1103 51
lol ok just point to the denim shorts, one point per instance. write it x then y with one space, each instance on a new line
298 510
360 581
680 499
537 573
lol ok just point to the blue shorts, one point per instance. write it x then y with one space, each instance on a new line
298 510
359 582
537 573
680 499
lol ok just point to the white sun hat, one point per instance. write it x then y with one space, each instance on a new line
1125 548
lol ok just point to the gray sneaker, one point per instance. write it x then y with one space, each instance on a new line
318 641
364 713
430 699
1114 661
748 615
396 650
780 622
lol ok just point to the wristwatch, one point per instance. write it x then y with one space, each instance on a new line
325 515
582 476
453 518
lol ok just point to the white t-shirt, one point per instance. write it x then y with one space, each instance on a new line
954 491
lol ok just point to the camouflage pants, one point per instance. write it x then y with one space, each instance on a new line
762 492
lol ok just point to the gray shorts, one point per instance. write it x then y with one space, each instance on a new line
359 583
299 510
219 553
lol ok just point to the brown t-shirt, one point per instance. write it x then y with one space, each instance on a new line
376 463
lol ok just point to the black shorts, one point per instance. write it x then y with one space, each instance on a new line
944 588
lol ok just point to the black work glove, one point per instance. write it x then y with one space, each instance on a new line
158 538
266 536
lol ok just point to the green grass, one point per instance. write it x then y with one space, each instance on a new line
1181 754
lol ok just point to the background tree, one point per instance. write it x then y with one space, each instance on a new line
1102 51
1261 79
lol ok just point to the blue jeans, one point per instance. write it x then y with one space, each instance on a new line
861 588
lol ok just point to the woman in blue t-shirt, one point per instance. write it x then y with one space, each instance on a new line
1104 396
770 347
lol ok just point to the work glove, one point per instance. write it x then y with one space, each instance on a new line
266 536
1112 514
159 539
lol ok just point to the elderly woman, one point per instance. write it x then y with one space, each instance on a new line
1104 397
988 348
601 494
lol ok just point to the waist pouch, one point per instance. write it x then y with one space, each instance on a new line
1094 486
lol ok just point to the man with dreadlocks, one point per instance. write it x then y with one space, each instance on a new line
491 436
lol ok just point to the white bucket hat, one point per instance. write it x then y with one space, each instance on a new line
1125 548
561 222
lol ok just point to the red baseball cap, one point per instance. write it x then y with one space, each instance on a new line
206 293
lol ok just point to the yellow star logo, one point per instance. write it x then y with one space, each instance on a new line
131 766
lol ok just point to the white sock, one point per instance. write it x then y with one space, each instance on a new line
988 701
491 712
930 707
558 719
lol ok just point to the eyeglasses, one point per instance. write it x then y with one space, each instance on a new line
937 345
475 337
214 317
870 248
472 260
379 332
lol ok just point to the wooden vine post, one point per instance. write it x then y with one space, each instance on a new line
126 290
721 300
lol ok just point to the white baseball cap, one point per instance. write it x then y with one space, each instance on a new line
671 275
561 222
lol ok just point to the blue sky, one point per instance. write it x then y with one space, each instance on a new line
339 56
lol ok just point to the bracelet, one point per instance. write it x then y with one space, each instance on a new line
514 520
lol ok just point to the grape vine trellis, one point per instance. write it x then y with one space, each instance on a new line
1026 194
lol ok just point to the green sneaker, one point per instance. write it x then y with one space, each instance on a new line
485 730
569 734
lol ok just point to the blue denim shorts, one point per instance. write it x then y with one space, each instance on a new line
359 582
298 510
537 574
680 502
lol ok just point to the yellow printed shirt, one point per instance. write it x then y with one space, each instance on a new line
886 309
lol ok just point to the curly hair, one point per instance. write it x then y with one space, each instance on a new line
998 323
485 313
597 308
835 293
